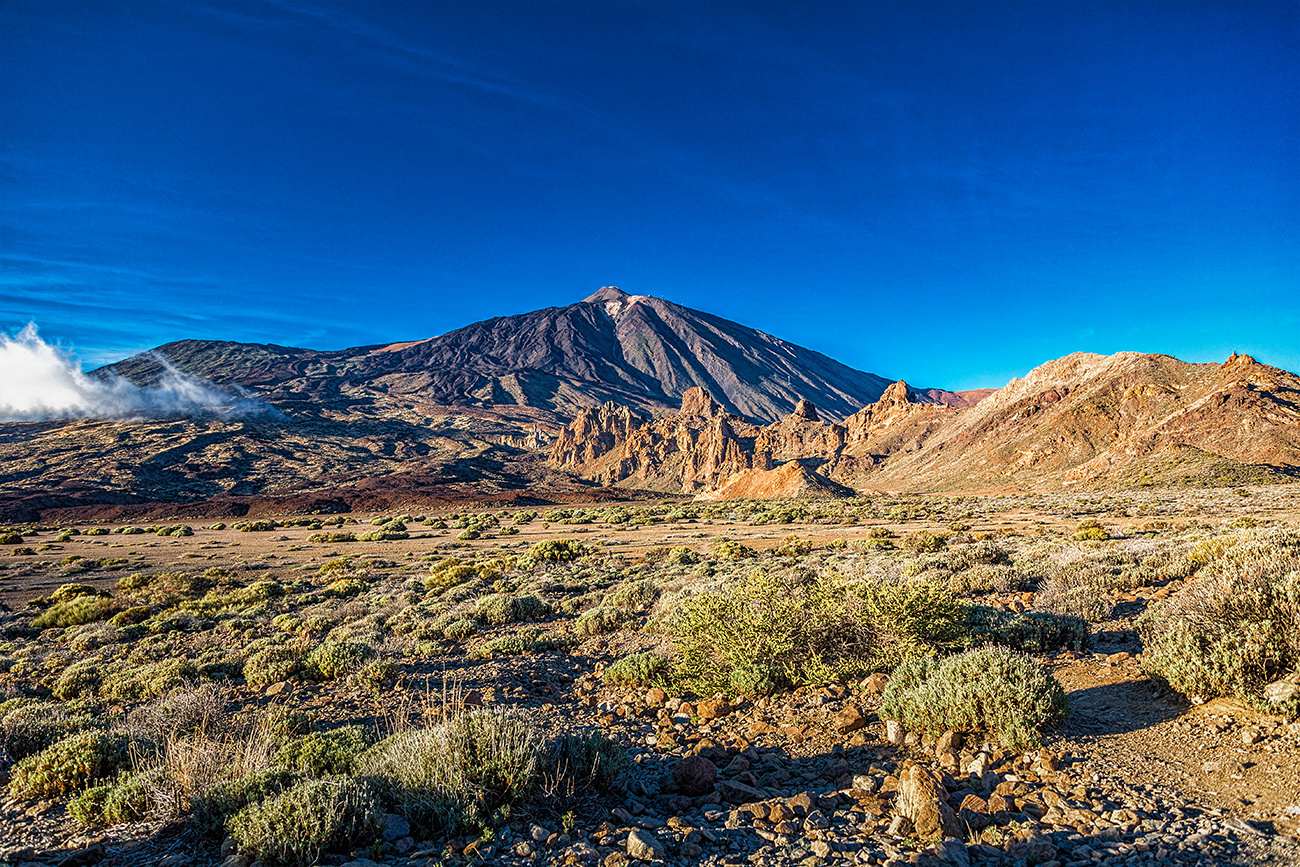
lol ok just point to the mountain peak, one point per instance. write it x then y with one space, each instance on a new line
606 293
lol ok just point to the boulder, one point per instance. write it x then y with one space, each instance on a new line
695 776
923 800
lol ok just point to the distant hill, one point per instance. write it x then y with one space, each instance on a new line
636 350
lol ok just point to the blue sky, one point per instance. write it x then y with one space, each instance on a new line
948 192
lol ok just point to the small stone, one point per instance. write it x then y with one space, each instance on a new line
1281 690
849 719
235 860
875 685
643 846
523 849
1115 658
539 834
949 742
820 848
655 696
1249 737
282 688
894 732
615 859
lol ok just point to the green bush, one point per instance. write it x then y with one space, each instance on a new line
598 621
1030 632
1090 531
992 690
557 551
34 725
580 763
332 659
638 670
211 812
454 774
793 546
501 608
680 555
128 799
730 550
10 539
345 588
925 541
633 596
329 752
75 612
298 825
803 630
68 765
459 630
1233 628
271 665
332 537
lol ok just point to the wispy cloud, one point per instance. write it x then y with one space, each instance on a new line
42 382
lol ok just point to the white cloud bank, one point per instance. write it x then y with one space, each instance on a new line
40 382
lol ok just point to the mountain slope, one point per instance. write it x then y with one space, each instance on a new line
635 350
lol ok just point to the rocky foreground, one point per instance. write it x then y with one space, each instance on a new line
813 778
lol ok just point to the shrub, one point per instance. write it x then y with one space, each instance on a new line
456 773
128 799
10 539
731 550
925 541
213 809
68 765
254 526
345 587
299 824
272 665
1071 591
992 690
75 612
459 630
586 762
598 621
808 629
680 555
330 752
1030 632
332 659
632 596
557 551
503 608
32 726
793 546
1233 628
96 531
332 537
638 670
1090 531
988 578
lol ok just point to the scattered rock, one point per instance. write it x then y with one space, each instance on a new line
849 719
923 800
643 846
695 775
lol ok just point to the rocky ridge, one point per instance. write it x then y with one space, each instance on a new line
1083 420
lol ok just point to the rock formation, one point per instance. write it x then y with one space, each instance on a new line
1083 420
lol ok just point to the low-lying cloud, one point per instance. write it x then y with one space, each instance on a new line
40 382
